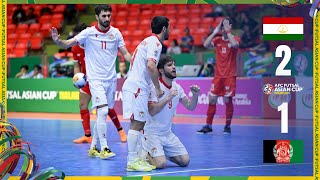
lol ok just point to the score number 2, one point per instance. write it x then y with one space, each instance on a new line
283 72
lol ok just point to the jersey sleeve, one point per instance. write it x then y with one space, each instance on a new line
82 36
154 51
181 92
120 40
153 94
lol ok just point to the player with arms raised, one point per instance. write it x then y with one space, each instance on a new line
85 95
224 81
136 89
101 43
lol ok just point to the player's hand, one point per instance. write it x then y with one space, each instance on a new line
218 28
54 34
160 93
226 25
173 93
195 90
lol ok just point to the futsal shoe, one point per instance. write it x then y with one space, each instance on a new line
227 130
94 152
106 153
83 139
123 136
139 165
205 130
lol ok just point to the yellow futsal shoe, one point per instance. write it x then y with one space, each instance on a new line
94 152
106 153
123 136
138 165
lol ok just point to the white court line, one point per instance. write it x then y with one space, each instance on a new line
222 168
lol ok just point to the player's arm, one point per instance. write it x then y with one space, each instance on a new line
191 104
125 53
153 54
208 42
155 107
77 67
227 27
62 43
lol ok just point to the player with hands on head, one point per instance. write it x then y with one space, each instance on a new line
102 43
159 142
224 81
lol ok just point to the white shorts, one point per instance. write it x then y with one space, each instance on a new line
102 92
168 145
135 105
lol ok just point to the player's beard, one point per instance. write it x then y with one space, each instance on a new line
105 24
169 75
166 35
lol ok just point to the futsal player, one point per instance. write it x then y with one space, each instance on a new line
101 43
224 81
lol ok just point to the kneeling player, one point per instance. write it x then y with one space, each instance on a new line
159 141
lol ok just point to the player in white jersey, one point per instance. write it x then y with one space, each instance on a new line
136 89
102 43
159 142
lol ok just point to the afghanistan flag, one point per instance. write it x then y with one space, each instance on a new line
282 151
288 28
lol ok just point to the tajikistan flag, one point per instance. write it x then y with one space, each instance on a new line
284 28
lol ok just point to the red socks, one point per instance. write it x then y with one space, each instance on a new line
85 116
229 112
210 113
113 115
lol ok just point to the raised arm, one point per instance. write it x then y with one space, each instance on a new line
227 28
62 43
191 104
208 42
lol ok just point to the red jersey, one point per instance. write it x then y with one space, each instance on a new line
226 58
78 55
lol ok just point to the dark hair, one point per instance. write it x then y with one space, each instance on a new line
25 67
164 60
157 24
79 27
38 67
102 7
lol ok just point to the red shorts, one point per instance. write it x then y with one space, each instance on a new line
86 89
223 86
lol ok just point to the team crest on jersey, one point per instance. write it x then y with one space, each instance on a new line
97 99
111 36
158 44
153 150
96 35
229 44
170 104
141 114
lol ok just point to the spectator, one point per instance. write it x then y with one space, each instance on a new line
174 48
31 17
45 10
217 11
207 69
37 72
248 40
19 15
187 41
71 14
23 74
122 70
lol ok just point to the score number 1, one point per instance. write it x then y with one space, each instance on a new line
283 72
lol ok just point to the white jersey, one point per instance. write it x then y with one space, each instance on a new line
160 124
138 76
101 51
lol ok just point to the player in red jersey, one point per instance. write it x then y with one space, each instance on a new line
85 96
224 81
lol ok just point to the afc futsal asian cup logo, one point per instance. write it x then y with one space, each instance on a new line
283 152
281 88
